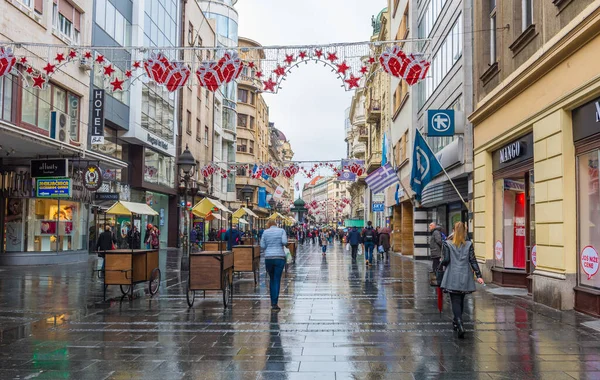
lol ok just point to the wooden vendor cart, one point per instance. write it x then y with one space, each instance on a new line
210 270
246 256
128 267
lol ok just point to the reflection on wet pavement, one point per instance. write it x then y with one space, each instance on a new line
339 320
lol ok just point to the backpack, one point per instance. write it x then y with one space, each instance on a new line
369 235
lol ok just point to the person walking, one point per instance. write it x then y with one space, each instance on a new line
134 238
324 238
460 262
435 248
368 239
149 228
106 240
154 238
384 240
354 241
272 242
233 237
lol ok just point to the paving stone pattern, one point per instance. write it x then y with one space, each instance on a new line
339 320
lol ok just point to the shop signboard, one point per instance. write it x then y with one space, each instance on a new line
97 132
262 197
513 153
92 178
106 196
534 255
53 188
499 250
378 207
440 123
58 167
586 120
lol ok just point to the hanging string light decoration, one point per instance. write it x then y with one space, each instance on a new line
172 68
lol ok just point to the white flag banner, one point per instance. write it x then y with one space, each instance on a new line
278 192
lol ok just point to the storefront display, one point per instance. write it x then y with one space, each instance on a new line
514 221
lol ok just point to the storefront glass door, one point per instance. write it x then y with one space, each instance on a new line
510 248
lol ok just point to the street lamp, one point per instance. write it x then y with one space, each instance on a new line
272 205
247 193
186 163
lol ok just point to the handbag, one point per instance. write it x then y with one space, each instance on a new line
288 255
380 249
348 247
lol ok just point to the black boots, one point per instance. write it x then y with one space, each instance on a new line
460 328
454 325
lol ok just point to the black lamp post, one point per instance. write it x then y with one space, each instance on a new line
272 205
247 193
186 165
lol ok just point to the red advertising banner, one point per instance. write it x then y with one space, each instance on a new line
519 232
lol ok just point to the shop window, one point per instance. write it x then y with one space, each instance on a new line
510 223
159 169
49 225
6 97
66 21
589 218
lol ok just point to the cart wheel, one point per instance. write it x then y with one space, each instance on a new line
154 282
226 289
125 289
190 295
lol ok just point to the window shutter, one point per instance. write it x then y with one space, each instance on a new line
66 9
77 20
39 6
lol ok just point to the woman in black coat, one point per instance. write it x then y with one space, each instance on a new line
106 240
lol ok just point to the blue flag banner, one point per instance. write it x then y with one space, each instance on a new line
425 166
381 179
384 150
262 197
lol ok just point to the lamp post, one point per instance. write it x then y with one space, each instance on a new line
247 193
272 205
186 165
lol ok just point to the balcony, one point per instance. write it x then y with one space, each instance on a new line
374 111
358 150
363 134
373 162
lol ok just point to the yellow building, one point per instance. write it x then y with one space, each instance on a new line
536 142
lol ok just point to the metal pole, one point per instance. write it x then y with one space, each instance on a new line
186 240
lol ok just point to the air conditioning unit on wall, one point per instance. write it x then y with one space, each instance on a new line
59 126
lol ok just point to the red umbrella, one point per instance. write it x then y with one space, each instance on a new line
440 299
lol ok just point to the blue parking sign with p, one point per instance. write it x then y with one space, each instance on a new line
440 123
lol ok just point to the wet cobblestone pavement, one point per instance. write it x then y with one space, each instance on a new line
338 321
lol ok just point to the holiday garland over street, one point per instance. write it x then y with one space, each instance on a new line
173 67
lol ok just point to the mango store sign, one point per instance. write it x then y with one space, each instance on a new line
53 187
589 261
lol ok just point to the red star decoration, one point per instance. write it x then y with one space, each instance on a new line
87 55
258 74
270 85
302 55
371 60
49 69
319 53
23 60
39 81
343 68
332 57
251 65
279 71
108 70
136 64
117 84
99 58
364 70
352 82
289 59
128 73
29 70
60 57
72 54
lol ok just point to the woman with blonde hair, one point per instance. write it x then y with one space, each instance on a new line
271 243
460 262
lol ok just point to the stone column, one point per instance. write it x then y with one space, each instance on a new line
555 209
483 212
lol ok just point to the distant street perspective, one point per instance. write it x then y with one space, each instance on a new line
279 190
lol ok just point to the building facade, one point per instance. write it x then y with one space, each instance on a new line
536 149
446 28
46 124
225 104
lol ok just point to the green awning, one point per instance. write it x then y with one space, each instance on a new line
354 223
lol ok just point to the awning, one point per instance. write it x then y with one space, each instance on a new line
206 206
210 217
276 215
241 212
242 221
128 208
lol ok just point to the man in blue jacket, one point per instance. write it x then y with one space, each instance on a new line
354 241
232 237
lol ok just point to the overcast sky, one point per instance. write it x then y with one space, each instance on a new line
309 107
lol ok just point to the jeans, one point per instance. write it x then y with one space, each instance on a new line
324 248
275 270
458 303
354 251
369 251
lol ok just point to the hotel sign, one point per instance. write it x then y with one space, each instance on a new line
97 133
